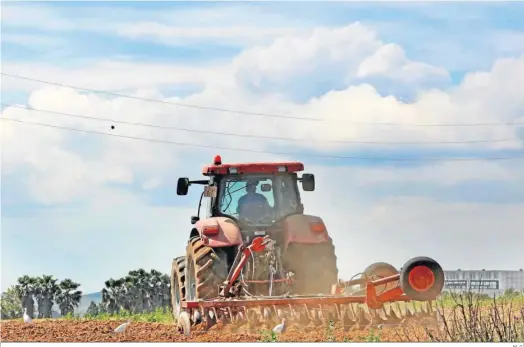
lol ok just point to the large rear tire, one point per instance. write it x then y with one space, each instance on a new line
314 267
206 270
178 290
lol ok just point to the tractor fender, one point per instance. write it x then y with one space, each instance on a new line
228 232
298 229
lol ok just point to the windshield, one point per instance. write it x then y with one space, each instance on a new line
258 200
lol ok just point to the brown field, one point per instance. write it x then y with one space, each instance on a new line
463 321
100 331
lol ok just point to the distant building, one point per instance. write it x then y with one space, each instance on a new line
487 281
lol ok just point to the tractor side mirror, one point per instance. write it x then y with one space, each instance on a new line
308 182
194 219
182 186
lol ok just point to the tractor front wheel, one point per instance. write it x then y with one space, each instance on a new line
178 290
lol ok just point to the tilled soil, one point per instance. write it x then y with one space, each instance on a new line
101 331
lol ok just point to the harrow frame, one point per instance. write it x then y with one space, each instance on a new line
420 279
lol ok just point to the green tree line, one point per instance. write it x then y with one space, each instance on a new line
38 295
137 292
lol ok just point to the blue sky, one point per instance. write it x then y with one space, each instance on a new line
107 205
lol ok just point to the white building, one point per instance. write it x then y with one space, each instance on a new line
486 281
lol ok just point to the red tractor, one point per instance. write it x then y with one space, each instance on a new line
253 252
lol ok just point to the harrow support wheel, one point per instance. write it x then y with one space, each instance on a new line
377 271
178 290
422 279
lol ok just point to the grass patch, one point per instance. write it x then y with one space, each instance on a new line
158 316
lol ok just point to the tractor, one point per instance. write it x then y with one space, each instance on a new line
253 255
242 202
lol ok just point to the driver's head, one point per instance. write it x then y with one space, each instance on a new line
251 186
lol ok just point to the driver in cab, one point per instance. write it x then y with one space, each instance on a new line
252 206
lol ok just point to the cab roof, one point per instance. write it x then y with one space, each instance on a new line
218 168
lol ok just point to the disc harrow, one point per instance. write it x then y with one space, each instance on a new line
373 300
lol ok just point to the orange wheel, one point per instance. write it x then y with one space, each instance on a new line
422 279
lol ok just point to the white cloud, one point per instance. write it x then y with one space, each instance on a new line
61 166
390 61
179 35
446 174
107 75
353 50
458 235
482 97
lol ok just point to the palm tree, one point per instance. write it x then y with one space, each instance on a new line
26 289
92 310
68 296
139 291
159 289
113 295
156 287
166 292
46 289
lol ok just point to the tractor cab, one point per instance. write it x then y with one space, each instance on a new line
252 194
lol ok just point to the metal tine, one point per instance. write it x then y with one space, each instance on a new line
315 317
409 312
295 313
394 310
401 308
240 319
349 313
381 312
267 315
411 308
363 319
305 311
365 308
432 307
387 309
252 316
424 307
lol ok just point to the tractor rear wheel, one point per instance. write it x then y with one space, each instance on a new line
206 270
178 290
314 267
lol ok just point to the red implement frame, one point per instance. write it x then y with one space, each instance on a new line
371 299
258 245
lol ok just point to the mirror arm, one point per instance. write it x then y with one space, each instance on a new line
199 182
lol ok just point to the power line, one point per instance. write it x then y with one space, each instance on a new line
261 136
257 113
263 151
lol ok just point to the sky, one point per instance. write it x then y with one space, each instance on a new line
447 78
